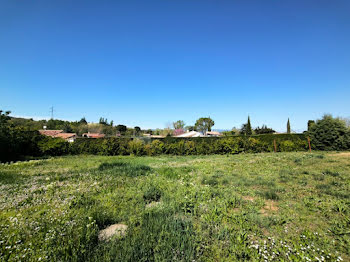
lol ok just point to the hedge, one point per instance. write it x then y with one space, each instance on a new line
33 144
190 146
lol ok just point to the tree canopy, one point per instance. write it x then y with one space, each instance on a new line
288 127
246 129
204 124
264 130
179 124
330 133
121 129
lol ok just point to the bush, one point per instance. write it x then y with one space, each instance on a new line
287 146
136 147
152 193
228 146
20 143
254 145
190 146
329 133
156 147
53 146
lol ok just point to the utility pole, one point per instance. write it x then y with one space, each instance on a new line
51 111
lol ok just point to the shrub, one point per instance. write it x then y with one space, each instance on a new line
155 148
152 193
287 146
124 169
254 145
136 147
329 133
53 146
227 146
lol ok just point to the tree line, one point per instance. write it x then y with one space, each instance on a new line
19 138
104 126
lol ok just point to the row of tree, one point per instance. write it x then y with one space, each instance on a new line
205 124
78 127
247 129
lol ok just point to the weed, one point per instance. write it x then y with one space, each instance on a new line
152 193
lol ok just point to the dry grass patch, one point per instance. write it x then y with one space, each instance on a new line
271 206
118 230
343 154
248 198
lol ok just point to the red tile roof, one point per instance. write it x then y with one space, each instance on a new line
93 135
66 135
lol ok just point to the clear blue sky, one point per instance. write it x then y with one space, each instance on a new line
149 63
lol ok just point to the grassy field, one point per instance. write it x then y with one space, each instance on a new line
253 207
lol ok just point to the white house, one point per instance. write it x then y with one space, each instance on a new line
190 134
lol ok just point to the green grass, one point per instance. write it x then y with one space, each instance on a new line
248 207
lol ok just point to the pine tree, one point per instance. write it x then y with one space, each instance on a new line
249 130
288 127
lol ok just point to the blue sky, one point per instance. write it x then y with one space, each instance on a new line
149 63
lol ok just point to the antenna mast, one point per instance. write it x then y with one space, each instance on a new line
51 111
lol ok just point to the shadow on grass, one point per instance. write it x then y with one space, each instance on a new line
124 169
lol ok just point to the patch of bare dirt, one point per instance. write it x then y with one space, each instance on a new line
249 198
270 207
343 154
118 230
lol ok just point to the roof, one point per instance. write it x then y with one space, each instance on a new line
66 135
93 135
214 133
51 133
157 136
190 134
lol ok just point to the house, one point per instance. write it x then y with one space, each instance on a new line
93 135
190 134
157 136
153 136
198 134
213 134
70 137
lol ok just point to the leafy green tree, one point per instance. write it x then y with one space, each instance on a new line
121 129
137 130
5 140
243 130
83 121
329 133
264 130
103 121
179 124
309 124
246 129
67 128
288 127
204 124
190 128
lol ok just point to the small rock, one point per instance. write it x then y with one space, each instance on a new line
118 230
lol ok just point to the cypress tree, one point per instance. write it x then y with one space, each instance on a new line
249 130
288 127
